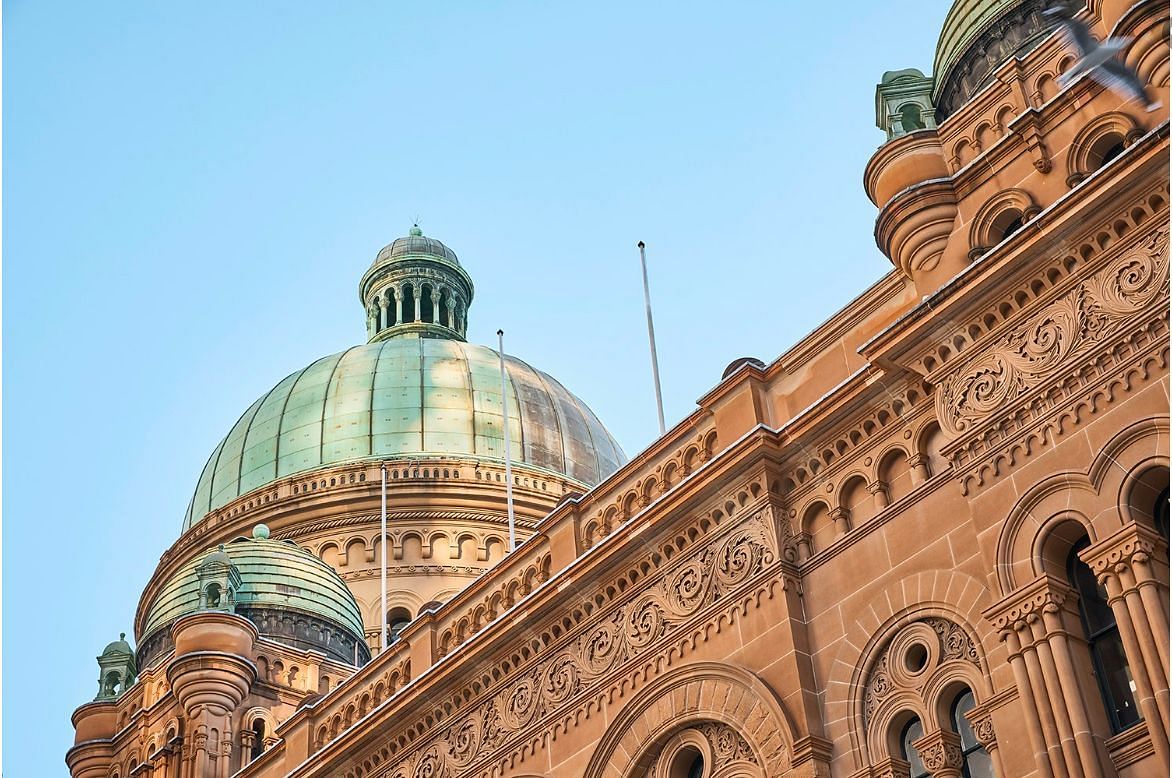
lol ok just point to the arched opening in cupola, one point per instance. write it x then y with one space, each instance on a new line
408 304
426 307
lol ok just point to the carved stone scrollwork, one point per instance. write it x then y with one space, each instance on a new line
1055 338
727 745
898 668
623 634
941 754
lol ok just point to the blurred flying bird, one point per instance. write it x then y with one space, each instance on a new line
1098 59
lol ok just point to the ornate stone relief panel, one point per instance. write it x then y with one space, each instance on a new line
1055 338
912 657
593 656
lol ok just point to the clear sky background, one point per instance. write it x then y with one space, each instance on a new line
192 191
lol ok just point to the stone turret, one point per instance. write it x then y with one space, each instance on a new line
117 669
210 675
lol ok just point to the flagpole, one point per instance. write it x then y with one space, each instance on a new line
651 338
383 566
508 453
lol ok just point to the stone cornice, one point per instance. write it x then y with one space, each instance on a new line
1002 270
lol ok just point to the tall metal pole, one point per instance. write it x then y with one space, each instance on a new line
651 338
383 566
500 334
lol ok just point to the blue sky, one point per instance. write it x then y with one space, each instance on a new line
192 191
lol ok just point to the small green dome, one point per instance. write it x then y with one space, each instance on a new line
118 647
291 595
406 398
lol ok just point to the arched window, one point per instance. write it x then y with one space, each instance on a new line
1102 637
1104 150
445 307
912 731
258 741
213 593
910 118
397 620
977 763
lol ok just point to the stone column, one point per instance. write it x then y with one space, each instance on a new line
1119 562
1032 720
878 490
1055 693
435 308
398 305
841 517
940 753
1044 692
247 742
383 321
1075 703
981 720
803 542
1036 686
919 466
418 296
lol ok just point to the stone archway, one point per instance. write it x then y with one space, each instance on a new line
724 713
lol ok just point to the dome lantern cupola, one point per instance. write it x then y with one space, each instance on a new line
117 669
416 287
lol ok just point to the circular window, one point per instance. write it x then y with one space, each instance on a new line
916 658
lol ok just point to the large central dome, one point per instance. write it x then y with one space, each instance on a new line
417 391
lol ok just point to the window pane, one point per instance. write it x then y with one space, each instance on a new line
1096 612
1117 681
978 764
960 724
911 733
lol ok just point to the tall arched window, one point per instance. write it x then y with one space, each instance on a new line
912 731
258 740
977 763
1102 636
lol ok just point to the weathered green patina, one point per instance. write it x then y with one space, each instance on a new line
276 576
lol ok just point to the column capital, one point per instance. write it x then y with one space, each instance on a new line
1045 594
940 753
878 486
1131 545
980 719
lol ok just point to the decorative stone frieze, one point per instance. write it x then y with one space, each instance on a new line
1055 338
540 693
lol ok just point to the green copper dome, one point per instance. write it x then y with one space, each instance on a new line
405 397
290 594
965 21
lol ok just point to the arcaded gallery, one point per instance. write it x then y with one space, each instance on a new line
928 539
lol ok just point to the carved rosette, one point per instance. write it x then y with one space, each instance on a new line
559 682
1055 338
